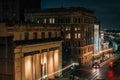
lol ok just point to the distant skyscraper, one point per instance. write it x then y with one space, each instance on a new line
14 9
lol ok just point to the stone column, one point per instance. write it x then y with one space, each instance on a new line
41 65
37 67
33 66
50 65
45 64
56 61
28 68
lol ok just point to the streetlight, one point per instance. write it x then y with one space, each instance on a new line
73 68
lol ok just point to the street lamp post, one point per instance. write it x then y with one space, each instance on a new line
72 68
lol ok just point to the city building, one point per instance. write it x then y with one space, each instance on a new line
32 52
77 27
106 51
97 45
13 10
6 55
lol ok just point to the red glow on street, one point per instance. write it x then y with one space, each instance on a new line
111 74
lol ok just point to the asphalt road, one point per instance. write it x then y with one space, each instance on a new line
103 73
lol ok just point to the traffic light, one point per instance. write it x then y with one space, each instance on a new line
111 63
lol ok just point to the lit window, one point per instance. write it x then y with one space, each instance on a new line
79 35
51 20
38 21
45 20
68 36
75 28
78 28
68 29
75 35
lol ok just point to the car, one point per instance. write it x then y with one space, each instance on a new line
96 65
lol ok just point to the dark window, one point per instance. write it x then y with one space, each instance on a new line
35 35
75 20
78 20
43 34
49 35
26 35
67 43
67 20
55 34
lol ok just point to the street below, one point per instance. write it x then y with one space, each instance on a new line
102 73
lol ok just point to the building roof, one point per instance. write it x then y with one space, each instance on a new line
70 9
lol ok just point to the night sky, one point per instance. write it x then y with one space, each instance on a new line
107 11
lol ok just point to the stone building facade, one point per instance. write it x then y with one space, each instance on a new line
77 26
36 53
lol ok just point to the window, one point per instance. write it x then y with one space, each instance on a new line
75 35
68 36
35 35
45 20
41 20
75 20
78 20
52 20
67 43
26 35
43 35
79 43
67 20
67 28
75 28
79 35
56 34
49 35
78 28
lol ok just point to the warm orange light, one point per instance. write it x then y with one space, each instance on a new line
111 63
56 56
45 57
28 67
